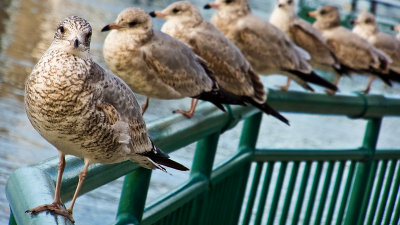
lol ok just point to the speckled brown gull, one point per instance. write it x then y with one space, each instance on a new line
85 111
304 35
268 49
367 28
354 53
157 65
231 69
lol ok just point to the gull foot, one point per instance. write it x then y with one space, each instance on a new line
330 92
183 112
54 208
283 87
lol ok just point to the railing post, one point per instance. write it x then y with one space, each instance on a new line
358 192
250 130
133 197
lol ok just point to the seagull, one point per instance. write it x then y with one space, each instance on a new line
157 65
85 111
268 49
303 34
367 28
231 69
354 53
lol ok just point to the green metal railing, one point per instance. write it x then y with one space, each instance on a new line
269 186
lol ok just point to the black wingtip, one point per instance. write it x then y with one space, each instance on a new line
105 28
267 109
314 78
152 14
207 6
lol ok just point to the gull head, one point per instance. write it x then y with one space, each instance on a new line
132 19
366 21
182 11
229 5
286 5
327 17
73 35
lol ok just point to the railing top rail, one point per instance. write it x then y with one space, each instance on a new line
172 133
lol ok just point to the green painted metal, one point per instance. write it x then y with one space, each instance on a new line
264 193
313 193
377 190
252 194
385 192
335 193
301 193
367 193
216 195
132 202
396 212
392 197
289 193
277 193
345 195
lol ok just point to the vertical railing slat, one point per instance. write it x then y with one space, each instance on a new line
367 195
335 192
301 193
346 191
377 191
385 192
264 193
252 194
313 193
289 193
324 193
277 192
392 198
396 211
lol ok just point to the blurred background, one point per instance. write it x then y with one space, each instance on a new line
26 30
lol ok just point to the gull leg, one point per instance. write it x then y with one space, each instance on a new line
82 176
56 206
368 88
286 86
189 113
145 105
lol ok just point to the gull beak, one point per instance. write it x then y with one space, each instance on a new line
396 27
74 42
157 14
280 5
211 6
111 26
354 22
312 14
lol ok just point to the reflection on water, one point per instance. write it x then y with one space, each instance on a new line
26 31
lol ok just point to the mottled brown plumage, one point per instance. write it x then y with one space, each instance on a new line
84 110
230 68
268 49
353 52
157 65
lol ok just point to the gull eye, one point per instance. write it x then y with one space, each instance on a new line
61 29
132 23
88 35
290 2
175 10
368 20
323 12
228 1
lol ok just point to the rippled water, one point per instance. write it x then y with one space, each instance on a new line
26 30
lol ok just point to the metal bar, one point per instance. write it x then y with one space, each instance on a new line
204 156
277 193
313 193
392 197
289 193
384 193
301 193
12 219
346 191
377 190
396 212
324 193
133 197
367 193
264 193
335 193
249 135
252 194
